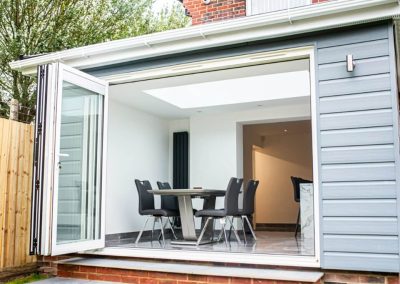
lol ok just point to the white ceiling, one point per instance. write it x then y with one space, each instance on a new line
226 90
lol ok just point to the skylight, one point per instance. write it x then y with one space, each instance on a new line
236 91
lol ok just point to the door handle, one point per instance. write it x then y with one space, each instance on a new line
63 155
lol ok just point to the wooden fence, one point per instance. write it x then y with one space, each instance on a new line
16 154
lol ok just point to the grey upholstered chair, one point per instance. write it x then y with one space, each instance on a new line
249 194
169 202
146 208
230 209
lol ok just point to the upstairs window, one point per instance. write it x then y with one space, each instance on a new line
255 7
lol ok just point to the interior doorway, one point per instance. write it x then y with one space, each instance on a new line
274 154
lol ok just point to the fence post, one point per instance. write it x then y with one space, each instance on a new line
14 109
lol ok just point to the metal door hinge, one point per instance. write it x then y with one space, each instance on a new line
40 128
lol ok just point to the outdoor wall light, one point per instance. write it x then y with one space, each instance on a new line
350 63
206 2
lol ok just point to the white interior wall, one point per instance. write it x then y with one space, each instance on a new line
216 152
138 147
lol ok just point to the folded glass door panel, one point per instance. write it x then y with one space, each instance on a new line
74 193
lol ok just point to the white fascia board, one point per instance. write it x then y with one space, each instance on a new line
265 26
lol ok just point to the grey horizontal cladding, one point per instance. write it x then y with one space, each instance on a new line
358 186
356 119
356 85
364 67
369 33
361 244
68 142
357 102
69 193
360 226
351 137
357 190
73 153
360 208
69 206
362 261
369 49
69 219
357 154
72 128
358 172
71 167
70 180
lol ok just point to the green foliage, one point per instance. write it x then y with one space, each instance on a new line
28 279
32 27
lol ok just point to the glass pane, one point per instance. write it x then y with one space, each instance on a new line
79 187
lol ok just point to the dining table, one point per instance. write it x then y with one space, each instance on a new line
185 197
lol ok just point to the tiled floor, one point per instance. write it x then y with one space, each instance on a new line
267 243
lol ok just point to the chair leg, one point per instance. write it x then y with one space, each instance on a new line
297 224
213 230
171 225
203 231
223 222
230 231
243 229
234 230
162 229
152 230
250 226
225 237
141 232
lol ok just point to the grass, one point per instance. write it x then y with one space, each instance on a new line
28 279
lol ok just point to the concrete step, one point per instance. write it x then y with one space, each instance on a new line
197 269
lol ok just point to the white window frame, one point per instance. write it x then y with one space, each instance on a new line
220 64
249 7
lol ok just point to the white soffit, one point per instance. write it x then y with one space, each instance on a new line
236 91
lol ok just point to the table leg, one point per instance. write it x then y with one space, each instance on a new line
187 219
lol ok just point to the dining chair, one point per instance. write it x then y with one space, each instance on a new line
230 208
169 202
249 194
146 208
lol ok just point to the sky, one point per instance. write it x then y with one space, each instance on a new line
159 4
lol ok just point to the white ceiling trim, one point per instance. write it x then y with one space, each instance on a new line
283 23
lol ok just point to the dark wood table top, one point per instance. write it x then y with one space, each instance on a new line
189 192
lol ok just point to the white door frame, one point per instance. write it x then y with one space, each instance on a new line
220 64
76 77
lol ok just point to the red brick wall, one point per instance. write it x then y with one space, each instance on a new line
215 11
145 277
49 266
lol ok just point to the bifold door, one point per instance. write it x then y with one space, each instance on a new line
69 169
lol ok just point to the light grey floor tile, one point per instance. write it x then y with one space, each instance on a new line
281 243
